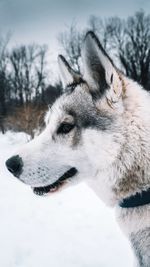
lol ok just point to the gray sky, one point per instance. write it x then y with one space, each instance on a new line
41 20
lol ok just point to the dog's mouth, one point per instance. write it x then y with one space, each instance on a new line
56 185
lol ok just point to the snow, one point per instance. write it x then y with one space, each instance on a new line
72 228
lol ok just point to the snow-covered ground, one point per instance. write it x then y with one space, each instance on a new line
69 229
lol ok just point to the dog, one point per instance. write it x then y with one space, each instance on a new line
98 131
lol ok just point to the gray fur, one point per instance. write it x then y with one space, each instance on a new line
141 245
85 113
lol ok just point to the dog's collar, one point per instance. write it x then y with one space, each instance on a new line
139 199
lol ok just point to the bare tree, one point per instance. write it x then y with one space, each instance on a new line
71 41
102 29
130 41
4 81
28 71
136 56
40 72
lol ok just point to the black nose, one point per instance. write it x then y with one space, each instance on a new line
14 165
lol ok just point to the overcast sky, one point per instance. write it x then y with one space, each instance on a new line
41 20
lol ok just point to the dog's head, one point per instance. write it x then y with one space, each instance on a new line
82 135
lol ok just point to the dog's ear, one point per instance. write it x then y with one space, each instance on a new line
99 71
68 75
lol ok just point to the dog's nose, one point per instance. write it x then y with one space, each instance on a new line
14 165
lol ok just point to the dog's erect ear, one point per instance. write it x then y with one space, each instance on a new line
68 75
99 71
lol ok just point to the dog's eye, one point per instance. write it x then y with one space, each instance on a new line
65 128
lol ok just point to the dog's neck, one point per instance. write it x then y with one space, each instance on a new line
130 172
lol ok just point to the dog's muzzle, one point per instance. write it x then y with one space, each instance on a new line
15 166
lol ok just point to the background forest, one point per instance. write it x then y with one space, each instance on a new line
26 87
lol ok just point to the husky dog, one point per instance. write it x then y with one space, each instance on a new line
97 131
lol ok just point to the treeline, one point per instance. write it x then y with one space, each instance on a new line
24 87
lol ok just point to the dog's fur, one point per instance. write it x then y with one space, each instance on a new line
109 144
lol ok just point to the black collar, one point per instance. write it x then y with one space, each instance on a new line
139 199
